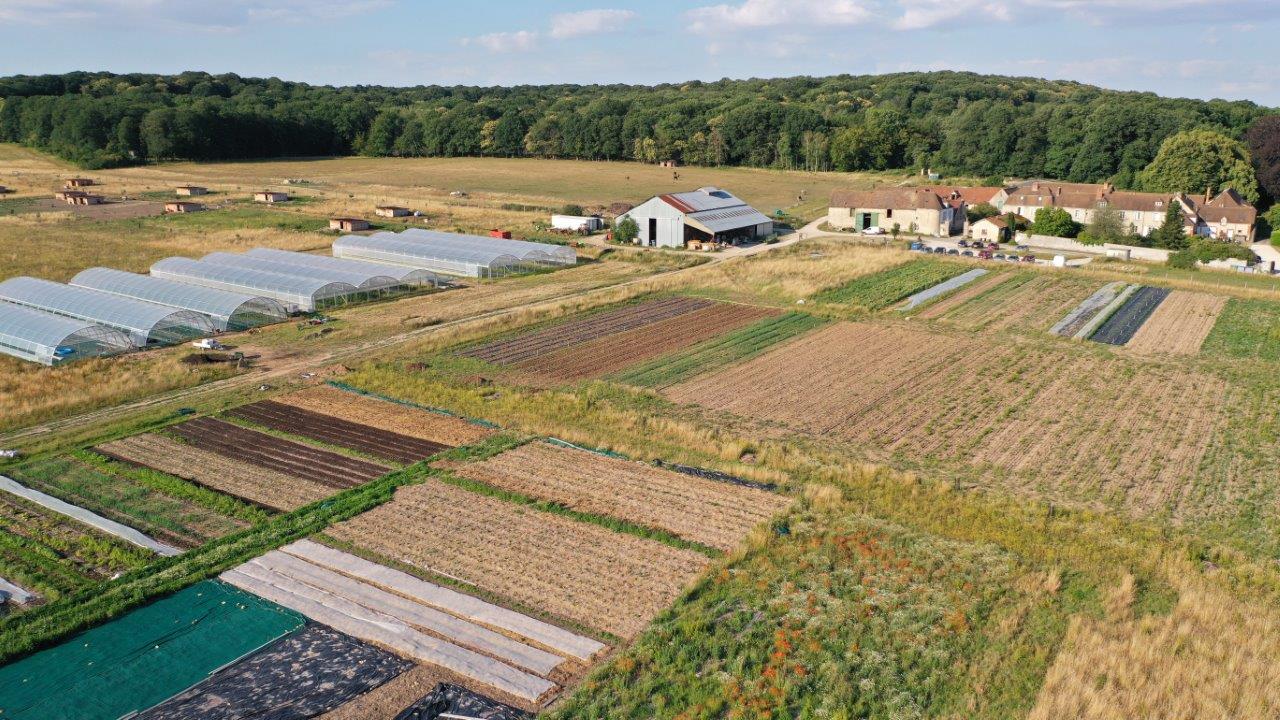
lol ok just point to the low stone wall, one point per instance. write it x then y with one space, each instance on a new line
1051 242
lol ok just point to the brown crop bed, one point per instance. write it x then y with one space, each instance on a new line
946 305
336 431
1032 302
386 415
563 335
303 461
614 352
268 488
1090 425
596 577
1179 325
706 511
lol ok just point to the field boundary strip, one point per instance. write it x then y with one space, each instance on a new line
94 520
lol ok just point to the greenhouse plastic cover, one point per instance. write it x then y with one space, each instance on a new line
392 248
402 273
361 279
300 291
143 657
523 249
39 333
219 304
139 318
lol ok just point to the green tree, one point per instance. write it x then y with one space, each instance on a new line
1196 160
626 231
981 211
1172 233
1055 222
1107 226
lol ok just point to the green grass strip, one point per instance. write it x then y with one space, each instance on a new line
885 288
175 487
728 349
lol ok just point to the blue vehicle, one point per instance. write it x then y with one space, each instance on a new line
917 245
63 351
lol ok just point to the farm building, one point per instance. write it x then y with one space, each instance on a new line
77 197
37 336
297 294
191 190
577 223
78 182
993 229
146 323
371 281
270 196
918 211
406 275
348 224
390 211
452 253
229 310
707 215
182 206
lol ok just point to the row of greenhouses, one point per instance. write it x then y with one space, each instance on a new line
102 311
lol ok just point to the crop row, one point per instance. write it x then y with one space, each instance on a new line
888 287
316 426
1120 327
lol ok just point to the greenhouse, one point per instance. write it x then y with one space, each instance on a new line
388 247
530 252
367 282
298 294
146 323
414 277
229 310
50 339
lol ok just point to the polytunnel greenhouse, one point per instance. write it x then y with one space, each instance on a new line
451 260
42 337
371 284
146 323
530 252
228 310
298 294
414 277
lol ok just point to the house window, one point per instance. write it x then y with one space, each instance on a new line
888 213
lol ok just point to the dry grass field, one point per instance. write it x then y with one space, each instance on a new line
1179 325
713 513
798 272
583 572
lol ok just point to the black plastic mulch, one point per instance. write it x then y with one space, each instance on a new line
1121 326
298 676
455 700
706 474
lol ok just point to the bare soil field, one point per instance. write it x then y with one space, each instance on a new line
1098 427
388 700
387 415
1179 325
533 345
706 511
617 351
946 305
336 431
321 466
268 488
1031 303
595 577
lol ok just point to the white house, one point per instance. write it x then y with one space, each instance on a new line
706 216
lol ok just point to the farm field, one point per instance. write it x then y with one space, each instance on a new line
387 415
1027 302
887 287
1246 329
717 514
335 431
583 572
973 290
1179 325
942 289
1120 327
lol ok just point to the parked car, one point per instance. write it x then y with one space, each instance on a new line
1023 248
917 245
1029 258
963 243
967 253
985 254
999 256
1012 258
873 230
208 344
939 250
953 251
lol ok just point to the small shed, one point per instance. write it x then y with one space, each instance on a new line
390 211
77 182
191 190
348 224
182 206
503 234
270 196
78 197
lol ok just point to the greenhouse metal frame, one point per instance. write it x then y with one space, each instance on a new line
388 247
146 323
374 284
531 252
41 337
298 294
414 277
228 310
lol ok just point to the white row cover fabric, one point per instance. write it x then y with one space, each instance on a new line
533 252
406 275
229 310
362 280
385 247
49 339
145 322
298 294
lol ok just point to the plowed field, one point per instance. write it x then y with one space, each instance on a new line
336 431
1180 325
712 513
1031 302
386 415
321 466
268 488
616 351
602 579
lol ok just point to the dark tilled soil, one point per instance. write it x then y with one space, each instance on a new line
381 443
1120 327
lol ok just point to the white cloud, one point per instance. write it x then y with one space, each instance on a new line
589 22
758 14
505 42
187 14
920 14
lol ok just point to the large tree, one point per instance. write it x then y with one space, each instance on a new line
1107 226
1263 139
1198 160
1054 222
1172 233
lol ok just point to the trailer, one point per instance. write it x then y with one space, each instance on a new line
577 223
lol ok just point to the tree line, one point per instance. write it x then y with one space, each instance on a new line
955 123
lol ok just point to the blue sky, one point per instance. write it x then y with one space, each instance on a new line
1189 48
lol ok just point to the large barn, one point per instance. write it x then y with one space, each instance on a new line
706 216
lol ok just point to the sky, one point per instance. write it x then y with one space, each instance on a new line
1182 48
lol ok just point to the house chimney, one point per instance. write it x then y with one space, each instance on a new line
1208 194
1035 187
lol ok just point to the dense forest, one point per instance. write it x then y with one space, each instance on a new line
956 123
